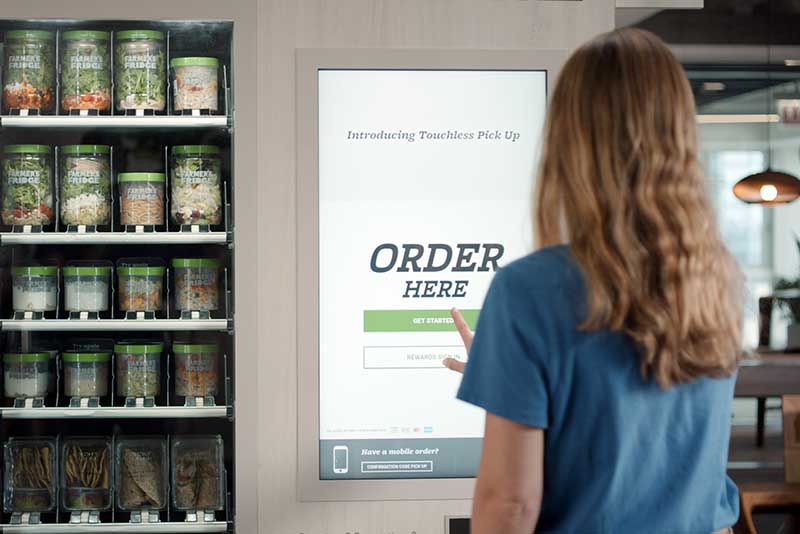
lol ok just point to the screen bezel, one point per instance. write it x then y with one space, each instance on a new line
309 63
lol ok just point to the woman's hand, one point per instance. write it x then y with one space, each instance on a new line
466 337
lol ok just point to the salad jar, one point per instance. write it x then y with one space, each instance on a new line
141 198
141 287
85 71
26 374
27 185
196 83
35 288
85 185
140 70
30 481
86 374
196 369
86 287
195 182
85 474
196 284
138 369
29 72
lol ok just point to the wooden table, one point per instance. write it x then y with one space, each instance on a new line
768 374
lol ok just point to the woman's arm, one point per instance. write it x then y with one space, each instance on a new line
508 493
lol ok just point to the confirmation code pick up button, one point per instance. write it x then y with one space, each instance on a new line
411 357
397 467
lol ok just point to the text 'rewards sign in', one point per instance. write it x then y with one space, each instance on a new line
425 181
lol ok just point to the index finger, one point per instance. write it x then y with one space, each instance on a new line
462 327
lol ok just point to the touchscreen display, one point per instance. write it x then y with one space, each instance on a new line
425 187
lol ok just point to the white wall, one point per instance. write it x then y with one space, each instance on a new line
285 25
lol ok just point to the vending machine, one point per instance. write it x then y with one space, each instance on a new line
116 276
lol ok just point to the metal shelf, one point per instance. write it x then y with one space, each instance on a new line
114 121
110 325
117 412
114 238
117 528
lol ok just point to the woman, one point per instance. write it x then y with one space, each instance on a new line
606 364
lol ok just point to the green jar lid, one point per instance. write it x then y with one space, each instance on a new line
195 149
75 35
142 177
140 34
86 357
144 348
36 270
188 348
85 149
144 270
87 270
31 34
195 262
194 61
26 357
27 149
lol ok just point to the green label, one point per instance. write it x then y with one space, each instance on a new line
415 320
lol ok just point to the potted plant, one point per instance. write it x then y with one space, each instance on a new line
787 294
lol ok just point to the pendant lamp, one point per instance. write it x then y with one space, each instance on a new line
768 187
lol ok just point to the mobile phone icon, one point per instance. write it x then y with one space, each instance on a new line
340 459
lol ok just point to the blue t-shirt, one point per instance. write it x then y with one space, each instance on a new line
622 456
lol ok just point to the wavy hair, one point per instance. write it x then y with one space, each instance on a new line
620 181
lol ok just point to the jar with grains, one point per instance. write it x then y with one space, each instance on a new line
142 198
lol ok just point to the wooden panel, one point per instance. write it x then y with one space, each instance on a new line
791 438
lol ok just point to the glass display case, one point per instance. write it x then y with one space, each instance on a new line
116 275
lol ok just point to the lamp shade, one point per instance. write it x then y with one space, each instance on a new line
767 187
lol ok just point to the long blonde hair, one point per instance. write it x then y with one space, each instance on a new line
621 183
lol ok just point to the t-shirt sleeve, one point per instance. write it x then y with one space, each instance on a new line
506 373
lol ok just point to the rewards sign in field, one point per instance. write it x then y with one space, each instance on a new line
425 189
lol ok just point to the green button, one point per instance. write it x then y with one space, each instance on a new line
415 320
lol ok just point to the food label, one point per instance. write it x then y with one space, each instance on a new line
199 363
21 373
195 77
29 61
141 193
188 177
202 278
38 284
23 177
76 177
137 364
143 61
91 62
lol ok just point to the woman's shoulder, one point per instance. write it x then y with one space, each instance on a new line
546 269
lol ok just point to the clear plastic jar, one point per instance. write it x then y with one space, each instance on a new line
85 185
195 185
141 196
86 288
29 71
30 470
198 473
196 369
85 70
140 70
138 369
26 374
196 284
141 288
27 185
142 468
86 374
35 288
196 83
85 474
